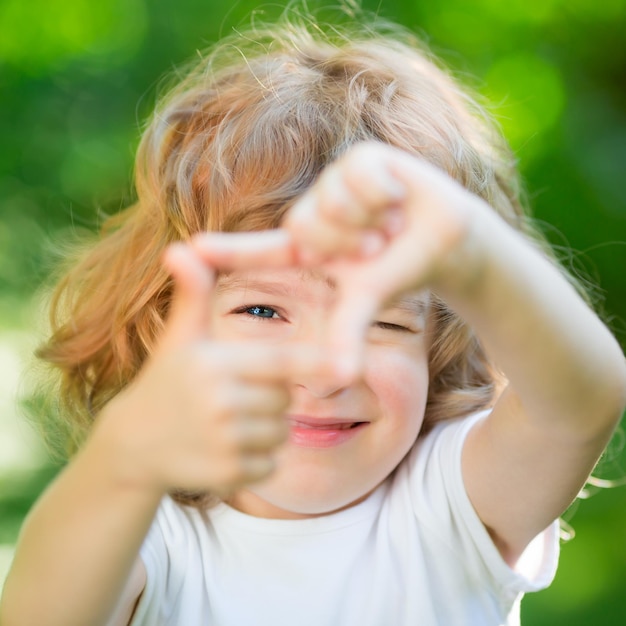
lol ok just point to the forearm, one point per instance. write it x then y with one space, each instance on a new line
77 546
560 359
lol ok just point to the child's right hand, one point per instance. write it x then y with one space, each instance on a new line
201 414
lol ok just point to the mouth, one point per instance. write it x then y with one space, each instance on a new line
326 426
314 432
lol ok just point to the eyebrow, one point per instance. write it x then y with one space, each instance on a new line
230 282
414 304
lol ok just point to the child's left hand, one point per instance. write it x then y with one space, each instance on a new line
372 196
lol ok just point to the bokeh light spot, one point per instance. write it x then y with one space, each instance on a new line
529 96
519 11
40 34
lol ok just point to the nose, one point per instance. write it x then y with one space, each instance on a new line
329 373
324 378
320 386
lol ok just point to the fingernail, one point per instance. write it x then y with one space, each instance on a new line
394 221
393 187
372 243
307 257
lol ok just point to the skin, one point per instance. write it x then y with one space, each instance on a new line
567 373
389 394
378 224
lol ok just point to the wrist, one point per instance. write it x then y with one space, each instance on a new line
115 446
466 263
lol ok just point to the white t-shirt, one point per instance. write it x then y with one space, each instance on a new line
412 554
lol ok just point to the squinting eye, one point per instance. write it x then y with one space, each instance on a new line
389 326
258 310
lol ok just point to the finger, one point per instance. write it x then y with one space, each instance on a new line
360 186
348 328
261 434
190 307
334 200
352 206
355 191
260 399
318 239
242 469
255 466
271 364
227 251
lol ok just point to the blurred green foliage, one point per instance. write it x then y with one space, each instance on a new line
77 78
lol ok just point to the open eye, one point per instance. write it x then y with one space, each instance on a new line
260 311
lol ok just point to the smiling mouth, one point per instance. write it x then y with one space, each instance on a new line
326 426
322 433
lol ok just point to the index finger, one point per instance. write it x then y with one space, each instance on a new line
348 327
190 306
248 250
269 363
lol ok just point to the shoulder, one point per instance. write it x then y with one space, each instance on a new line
438 453
172 556
177 538
428 484
432 480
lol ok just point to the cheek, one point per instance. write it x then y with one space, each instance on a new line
399 381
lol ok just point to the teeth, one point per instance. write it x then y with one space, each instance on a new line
343 426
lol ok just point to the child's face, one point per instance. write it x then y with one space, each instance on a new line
322 468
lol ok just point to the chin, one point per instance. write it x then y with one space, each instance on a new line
311 497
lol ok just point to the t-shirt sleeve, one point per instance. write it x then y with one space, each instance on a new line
442 505
164 555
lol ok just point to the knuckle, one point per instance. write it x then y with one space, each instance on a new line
232 439
256 466
285 400
224 401
355 176
259 435
280 398
335 197
231 473
337 202
282 431
276 431
298 221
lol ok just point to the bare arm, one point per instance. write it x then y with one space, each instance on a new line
201 415
78 547
524 464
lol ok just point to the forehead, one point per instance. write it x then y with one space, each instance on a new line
306 284
282 282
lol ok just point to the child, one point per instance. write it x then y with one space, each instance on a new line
294 424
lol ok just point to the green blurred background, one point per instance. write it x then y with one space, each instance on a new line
77 79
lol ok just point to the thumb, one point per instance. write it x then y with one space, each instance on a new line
190 306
